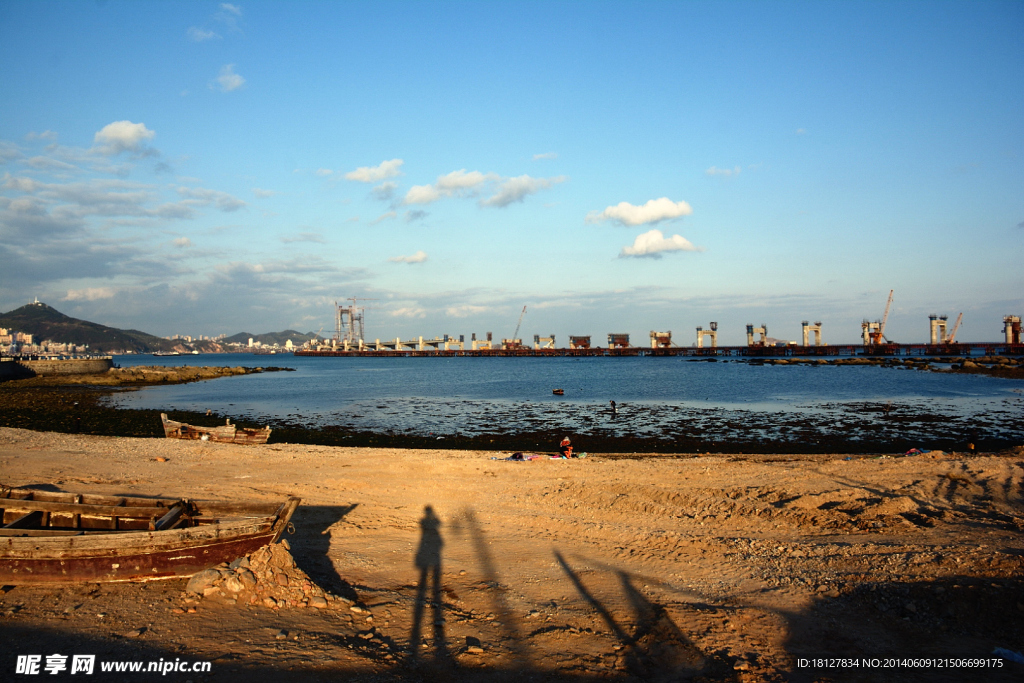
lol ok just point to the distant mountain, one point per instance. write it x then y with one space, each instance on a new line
44 322
271 338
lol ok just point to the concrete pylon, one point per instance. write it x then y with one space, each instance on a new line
1011 328
807 328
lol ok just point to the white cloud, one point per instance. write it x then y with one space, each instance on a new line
182 242
229 15
45 135
464 183
383 217
458 181
545 155
465 310
421 194
324 172
517 189
409 312
51 208
305 237
8 152
801 131
123 136
90 294
51 164
714 170
652 243
228 79
263 194
418 257
204 197
375 174
654 211
198 35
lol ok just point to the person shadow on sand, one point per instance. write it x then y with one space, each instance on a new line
428 561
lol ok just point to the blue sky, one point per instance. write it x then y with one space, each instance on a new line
208 168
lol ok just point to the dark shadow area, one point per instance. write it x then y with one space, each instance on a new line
428 561
50 488
311 545
655 649
499 599
961 617
19 640
659 645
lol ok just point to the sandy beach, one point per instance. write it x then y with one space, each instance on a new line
611 567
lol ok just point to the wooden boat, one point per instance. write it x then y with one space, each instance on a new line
55 538
228 433
558 392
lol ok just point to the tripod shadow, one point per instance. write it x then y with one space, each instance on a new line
428 561
467 522
657 649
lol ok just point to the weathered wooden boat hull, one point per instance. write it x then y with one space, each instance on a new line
61 555
224 434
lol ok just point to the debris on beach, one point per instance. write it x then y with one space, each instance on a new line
269 577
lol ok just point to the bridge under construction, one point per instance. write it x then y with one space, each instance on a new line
348 342
435 350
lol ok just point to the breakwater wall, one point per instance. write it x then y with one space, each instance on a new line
20 369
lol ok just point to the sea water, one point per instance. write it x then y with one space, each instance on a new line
472 395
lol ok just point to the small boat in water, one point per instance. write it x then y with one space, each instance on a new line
228 433
58 538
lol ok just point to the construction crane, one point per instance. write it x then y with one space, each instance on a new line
874 333
515 335
881 328
956 326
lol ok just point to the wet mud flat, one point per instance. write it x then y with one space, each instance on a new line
838 427
833 427
88 405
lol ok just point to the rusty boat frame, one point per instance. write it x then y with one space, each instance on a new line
60 538
228 433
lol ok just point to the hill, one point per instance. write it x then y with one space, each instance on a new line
271 338
45 322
